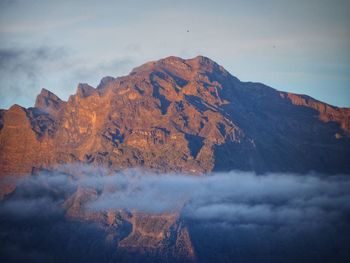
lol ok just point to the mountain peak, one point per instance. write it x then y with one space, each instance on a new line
16 108
188 115
177 64
85 90
104 82
48 102
202 60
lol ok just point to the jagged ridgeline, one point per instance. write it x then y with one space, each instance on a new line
184 117
177 115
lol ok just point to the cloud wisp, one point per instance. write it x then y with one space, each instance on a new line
25 70
22 69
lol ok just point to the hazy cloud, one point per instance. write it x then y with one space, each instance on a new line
277 217
24 71
21 71
235 197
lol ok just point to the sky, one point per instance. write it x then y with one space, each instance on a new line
299 46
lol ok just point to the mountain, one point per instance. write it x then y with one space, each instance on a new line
180 115
186 116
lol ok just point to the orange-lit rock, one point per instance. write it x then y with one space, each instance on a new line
177 115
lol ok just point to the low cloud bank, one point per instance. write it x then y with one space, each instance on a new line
236 215
233 197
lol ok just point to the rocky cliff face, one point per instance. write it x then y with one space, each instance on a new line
177 115
136 236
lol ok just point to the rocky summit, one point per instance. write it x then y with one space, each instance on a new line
186 116
179 115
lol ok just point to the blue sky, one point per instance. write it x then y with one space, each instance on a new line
296 46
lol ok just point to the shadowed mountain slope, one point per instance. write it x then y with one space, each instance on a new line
185 115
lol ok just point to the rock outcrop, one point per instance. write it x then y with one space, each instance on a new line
135 235
177 115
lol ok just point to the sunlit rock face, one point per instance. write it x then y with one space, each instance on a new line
133 235
172 115
177 115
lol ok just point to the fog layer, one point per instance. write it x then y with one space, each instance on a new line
286 209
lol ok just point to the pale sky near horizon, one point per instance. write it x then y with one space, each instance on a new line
297 46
